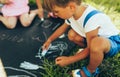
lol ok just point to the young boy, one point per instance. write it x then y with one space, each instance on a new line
90 29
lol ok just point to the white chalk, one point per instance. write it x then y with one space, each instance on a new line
30 66
62 36
45 51
42 19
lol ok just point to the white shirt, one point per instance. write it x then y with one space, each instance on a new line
107 28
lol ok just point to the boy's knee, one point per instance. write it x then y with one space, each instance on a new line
97 44
71 38
71 35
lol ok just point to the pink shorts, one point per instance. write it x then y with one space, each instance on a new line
15 8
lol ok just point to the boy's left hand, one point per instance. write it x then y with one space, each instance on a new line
63 61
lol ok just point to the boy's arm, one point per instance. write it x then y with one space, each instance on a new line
66 60
40 9
55 35
58 32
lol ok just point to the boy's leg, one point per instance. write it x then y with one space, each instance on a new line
76 38
99 46
27 18
7 21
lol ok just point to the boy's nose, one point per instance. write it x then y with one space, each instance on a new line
55 14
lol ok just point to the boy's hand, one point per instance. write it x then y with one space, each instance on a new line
63 61
46 45
40 13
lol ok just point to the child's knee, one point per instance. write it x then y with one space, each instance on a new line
10 26
98 44
26 24
71 35
71 38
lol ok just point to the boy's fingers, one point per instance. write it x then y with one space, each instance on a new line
44 47
57 60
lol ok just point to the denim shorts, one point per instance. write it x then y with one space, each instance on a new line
115 46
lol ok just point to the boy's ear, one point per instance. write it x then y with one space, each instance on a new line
72 5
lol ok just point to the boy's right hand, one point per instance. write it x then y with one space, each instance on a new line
46 45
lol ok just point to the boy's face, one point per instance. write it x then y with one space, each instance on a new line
63 13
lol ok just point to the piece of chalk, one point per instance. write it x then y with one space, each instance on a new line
42 19
45 51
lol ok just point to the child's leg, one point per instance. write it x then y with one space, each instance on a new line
73 36
26 18
99 46
9 22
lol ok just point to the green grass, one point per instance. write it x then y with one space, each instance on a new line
109 68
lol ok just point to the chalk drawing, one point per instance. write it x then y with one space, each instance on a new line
3 36
18 39
46 24
38 38
56 26
45 35
29 74
55 47
30 66
59 45
15 38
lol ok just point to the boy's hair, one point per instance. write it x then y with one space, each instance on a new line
49 4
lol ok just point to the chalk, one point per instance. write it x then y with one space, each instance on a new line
30 66
80 50
42 19
62 36
45 51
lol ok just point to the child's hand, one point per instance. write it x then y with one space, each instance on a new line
40 13
63 61
46 45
